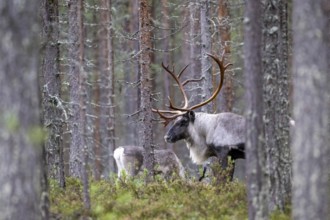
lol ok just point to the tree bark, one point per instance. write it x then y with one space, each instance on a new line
78 95
206 42
52 106
194 39
257 186
310 147
132 76
104 160
75 89
276 100
145 81
166 47
227 96
111 95
21 133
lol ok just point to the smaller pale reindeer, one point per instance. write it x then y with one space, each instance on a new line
130 160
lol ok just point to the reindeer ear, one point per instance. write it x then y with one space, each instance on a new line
191 115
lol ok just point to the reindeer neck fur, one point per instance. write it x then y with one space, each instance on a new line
197 142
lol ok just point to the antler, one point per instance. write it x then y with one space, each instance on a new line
173 113
222 74
216 92
176 78
167 118
177 111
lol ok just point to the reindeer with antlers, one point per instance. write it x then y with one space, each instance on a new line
206 135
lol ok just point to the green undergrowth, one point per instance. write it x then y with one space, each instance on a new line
134 199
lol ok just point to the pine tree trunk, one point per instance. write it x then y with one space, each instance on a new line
104 160
133 75
78 95
111 95
276 100
145 80
226 97
193 25
310 148
21 134
195 51
76 128
257 186
104 87
75 90
97 146
52 106
206 42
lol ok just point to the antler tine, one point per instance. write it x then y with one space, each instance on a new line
176 78
167 119
185 106
222 74
176 111
165 111
183 69
191 80
173 113
216 92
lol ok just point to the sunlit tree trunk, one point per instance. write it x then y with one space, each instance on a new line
310 147
21 133
257 185
276 101
145 81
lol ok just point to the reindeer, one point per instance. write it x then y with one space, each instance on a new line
205 134
130 160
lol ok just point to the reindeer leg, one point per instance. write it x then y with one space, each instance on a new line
203 175
232 170
222 154
224 164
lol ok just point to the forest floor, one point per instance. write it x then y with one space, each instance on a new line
134 199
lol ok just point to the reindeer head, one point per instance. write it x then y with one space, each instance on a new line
179 129
184 115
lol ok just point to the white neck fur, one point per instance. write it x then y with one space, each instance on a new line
197 143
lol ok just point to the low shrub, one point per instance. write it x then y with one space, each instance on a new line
134 199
